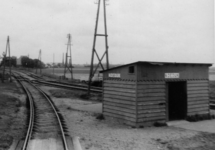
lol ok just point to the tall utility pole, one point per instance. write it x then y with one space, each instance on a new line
5 55
68 63
94 52
40 62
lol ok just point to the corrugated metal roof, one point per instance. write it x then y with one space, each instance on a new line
157 63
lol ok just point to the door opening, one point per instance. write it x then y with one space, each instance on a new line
177 100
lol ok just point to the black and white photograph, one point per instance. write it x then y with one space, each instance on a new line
107 75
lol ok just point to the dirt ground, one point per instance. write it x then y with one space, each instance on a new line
110 135
12 114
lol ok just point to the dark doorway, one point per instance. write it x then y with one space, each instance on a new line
177 98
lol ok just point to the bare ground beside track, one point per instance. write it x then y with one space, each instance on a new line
12 114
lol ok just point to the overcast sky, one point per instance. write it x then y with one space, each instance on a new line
140 30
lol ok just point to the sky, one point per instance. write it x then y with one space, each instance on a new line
140 30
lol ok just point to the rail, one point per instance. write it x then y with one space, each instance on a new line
22 80
62 85
38 80
31 119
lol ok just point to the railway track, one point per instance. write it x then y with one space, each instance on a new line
68 86
45 121
38 80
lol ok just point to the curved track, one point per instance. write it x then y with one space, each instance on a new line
45 121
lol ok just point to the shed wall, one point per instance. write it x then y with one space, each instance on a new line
151 102
197 97
140 98
119 100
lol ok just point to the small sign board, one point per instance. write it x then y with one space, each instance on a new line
114 75
172 75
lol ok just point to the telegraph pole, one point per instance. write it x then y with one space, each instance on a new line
68 63
94 52
5 57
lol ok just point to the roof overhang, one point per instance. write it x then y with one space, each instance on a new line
158 63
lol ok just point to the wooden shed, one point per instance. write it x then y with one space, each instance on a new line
142 93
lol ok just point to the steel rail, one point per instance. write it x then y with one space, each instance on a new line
30 128
56 113
69 86
79 85
31 118
62 85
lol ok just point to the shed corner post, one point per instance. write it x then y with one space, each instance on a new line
167 100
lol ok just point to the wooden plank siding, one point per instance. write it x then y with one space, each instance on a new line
119 100
144 103
151 99
197 97
119 82
111 97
